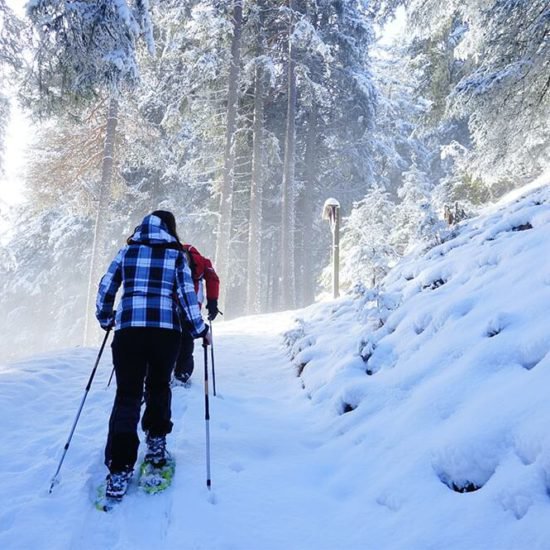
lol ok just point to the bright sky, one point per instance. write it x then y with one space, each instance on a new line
391 30
18 6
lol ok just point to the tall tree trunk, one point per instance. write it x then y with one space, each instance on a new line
223 242
274 273
310 185
254 278
299 244
97 266
287 290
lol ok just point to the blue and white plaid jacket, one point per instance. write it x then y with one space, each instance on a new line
152 271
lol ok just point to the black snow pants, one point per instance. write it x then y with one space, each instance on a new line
140 354
185 363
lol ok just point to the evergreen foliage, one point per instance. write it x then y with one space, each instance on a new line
11 33
297 95
367 254
81 49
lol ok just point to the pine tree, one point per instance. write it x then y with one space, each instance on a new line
334 121
288 281
254 276
223 243
11 35
506 96
366 250
40 284
486 65
415 218
82 51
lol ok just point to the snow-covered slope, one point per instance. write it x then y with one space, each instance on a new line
452 425
457 399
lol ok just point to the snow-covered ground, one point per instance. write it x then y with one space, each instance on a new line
272 481
457 399
457 346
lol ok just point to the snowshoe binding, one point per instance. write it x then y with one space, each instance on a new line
111 492
158 467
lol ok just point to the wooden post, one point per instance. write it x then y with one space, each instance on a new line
336 253
331 212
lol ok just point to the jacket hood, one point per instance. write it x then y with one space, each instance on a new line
152 231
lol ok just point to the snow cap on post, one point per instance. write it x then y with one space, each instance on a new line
329 211
329 206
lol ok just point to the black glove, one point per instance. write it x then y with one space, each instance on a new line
206 337
212 307
109 323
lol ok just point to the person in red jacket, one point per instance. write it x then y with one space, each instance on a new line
201 270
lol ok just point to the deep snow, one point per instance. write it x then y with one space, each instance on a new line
457 344
335 458
272 482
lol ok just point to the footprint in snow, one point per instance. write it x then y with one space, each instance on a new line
516 503
236 467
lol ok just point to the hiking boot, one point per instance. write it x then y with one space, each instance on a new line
156 451
117 484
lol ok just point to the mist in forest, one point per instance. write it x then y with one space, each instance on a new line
243 118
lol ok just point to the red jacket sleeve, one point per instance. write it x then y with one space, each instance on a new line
212 281
202 269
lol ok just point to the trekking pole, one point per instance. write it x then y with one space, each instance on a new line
54 478
212 357
111 377
113 369
207 416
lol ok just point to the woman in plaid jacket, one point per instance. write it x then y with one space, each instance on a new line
147 338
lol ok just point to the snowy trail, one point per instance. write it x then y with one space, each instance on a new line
267 465
457 399
266 468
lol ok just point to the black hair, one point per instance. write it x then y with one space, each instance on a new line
168 219
170 222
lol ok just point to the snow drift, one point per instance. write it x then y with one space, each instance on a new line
439 385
